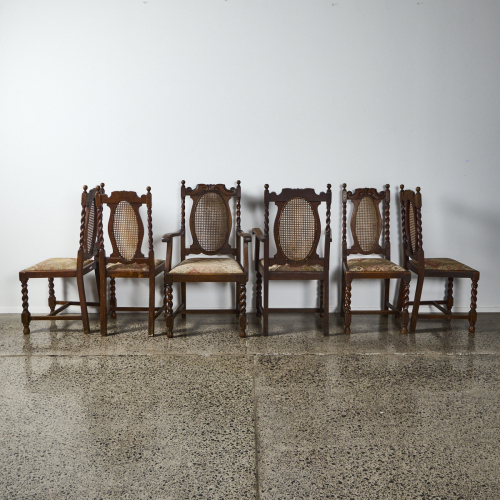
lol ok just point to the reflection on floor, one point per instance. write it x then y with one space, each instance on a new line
206 414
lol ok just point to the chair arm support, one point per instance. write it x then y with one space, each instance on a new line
247 237
259 234
167 237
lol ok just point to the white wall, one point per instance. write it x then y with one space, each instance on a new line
295 93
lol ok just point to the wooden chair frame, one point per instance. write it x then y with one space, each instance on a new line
282 256
225 248
132 265
87 251
414 260
371 246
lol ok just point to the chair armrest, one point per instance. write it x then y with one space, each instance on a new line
167 237
259 234
247 237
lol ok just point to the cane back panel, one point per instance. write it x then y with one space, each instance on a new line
125 227
411 204
88 227
366 220
211 220
297 227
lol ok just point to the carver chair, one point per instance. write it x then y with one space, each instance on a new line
210 224
84 263
297 230
126 233
414 260
366 230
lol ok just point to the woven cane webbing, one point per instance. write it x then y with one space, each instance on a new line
413 230
297 229
126 230
90 236
367 230
211 225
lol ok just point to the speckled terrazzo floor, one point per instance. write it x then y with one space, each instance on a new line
373 415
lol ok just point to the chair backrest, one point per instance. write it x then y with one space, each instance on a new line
88 223
125 227
297 226
211 220
411 220
366 222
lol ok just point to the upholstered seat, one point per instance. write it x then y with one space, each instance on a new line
208 266
443 264
288 267
362 265
57 264
132 266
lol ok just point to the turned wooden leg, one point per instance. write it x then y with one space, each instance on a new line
151 308
449 295
342 296
321 291
169 314
258 291
265 309
98 281
243 309
25 315
473 303
112 297
405 317
52 296
347 306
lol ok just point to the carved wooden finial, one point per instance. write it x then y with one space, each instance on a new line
148 189
329 186
418 189
102 185
344 185
387 186
238 182
183 182
402 186
266 186
85 187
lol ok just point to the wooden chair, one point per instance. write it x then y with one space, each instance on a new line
297 230
366 230
414 260
210 224
126 232
85 262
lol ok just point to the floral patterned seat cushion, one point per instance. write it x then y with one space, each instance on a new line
133 266
57 264
443 264
382 265
288 267
216 265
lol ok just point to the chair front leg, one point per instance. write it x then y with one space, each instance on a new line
387 284
112 297
473 303
25 315
321 291
449 295
347 305
52 296
151 308
169 314
265 309
242 310
258 293
405 296
342 295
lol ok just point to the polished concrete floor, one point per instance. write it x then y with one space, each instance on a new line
373 415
